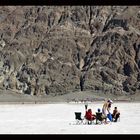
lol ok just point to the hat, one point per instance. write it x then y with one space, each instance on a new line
99 109
110 101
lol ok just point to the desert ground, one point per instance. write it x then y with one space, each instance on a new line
59 118
13 97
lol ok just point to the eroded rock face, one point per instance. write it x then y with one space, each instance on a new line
52 49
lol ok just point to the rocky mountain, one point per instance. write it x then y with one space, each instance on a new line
61 49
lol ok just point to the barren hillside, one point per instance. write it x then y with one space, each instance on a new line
61 49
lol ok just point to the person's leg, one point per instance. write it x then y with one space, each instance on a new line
117 116
106 121
104 118
113 117
90 121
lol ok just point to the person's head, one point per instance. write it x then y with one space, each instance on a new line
110 101
99 110
115 108
89 110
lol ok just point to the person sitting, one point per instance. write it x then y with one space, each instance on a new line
89 116
100 116
116 114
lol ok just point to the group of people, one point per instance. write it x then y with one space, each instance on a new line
106 113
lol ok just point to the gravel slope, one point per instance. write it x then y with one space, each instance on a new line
9 97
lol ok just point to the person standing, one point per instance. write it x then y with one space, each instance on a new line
106 110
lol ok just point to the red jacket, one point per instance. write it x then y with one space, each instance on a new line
89 115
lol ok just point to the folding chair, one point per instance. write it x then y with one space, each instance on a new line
78 118
89 121
99 117
118 118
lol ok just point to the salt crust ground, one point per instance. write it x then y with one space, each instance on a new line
59 118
